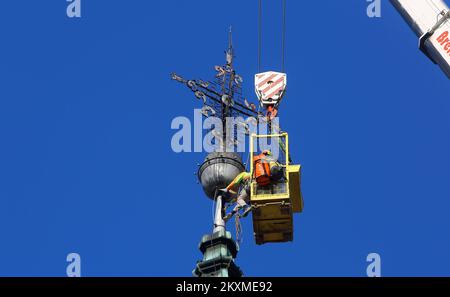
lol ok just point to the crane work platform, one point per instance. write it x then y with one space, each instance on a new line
275 203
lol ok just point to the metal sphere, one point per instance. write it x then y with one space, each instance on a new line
218 171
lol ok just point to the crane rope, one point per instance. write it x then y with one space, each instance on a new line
259 34
283 34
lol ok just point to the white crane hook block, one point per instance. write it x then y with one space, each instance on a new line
270 87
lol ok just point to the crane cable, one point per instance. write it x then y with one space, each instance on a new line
259 33
283 34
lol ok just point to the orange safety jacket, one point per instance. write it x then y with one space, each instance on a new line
261 172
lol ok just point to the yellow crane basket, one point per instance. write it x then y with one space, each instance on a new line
274 204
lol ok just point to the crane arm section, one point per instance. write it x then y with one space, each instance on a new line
430 20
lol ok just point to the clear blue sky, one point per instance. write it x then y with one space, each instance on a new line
86 164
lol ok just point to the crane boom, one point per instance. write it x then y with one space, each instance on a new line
430 20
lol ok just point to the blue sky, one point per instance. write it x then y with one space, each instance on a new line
86 164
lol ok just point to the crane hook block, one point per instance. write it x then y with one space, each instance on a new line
270 87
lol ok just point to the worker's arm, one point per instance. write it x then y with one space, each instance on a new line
236 181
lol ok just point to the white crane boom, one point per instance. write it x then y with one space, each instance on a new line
430 20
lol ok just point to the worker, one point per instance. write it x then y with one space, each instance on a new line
267 170
261 166
241 183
